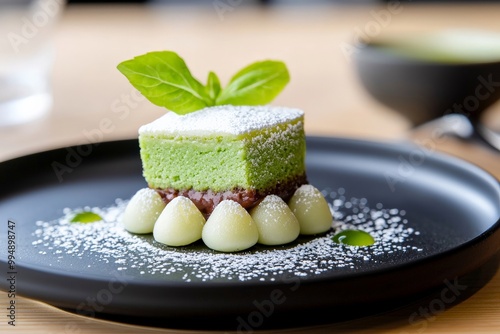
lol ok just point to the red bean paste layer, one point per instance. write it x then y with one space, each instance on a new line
206 201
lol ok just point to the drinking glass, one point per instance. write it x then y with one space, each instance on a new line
26 56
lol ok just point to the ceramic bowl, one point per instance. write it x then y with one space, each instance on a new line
427 80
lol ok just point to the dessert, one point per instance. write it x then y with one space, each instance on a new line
276 223
142 212
230 228
179 224
239 153
224 155
311 210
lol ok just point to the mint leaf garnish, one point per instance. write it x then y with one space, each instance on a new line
213 86
256 84
164 79
86 217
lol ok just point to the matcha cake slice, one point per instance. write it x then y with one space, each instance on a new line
242 153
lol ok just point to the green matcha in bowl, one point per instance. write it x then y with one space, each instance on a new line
428 76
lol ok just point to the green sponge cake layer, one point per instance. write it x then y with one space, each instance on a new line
226 148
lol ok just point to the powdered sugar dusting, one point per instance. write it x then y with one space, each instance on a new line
107 242
308 191
273 201
221 120
229 207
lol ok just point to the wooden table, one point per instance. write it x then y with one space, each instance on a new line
92 40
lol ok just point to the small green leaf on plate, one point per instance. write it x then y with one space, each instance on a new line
86 217
256 84
354 238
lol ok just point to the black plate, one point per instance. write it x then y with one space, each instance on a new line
454 206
